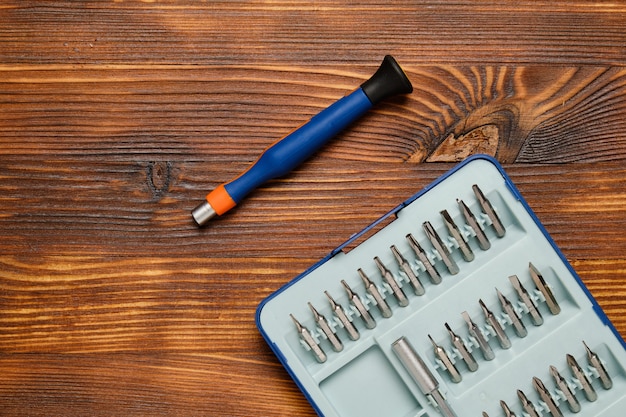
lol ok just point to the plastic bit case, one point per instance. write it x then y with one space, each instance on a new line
357 373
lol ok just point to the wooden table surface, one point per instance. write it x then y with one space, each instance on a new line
117 117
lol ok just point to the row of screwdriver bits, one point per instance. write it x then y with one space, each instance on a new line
495 326
393 285
566 391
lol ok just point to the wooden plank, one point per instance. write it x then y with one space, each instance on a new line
112 208
146 384
87 304
117 118
321 32
525 113
169 350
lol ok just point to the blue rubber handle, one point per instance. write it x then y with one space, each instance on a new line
286 154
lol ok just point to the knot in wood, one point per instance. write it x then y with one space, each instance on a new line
158 177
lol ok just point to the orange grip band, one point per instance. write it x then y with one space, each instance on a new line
220 200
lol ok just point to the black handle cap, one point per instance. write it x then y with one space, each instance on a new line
389 80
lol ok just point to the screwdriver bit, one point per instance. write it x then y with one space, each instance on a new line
441 248
546 397
307 337
541 285
507 307
355 300
447 362
435 278
594 360
483 241
503 339
391 281
562 385
580 375
408 271
475 331
454 231
527 405
507 410
322 323
489 211
341 314
372 290
420 373
458 343
535 315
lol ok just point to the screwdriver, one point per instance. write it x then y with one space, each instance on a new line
286 154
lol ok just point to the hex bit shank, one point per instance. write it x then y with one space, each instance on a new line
307 337
545 396
527 405
323 324
535 315
372 290
489 211
541 285
391 281
503 339
355 300
475 331
582 378
447 362
441 248
408 271
454 231
562 385
435 278
341 314
594 360
507 307
458 343
483 241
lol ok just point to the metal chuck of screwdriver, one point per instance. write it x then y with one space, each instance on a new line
420 373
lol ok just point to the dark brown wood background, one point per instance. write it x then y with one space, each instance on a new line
117 117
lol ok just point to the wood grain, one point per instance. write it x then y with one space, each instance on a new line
117 117
533 113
